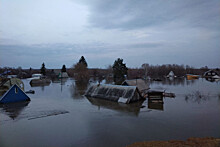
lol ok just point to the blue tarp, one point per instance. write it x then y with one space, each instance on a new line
14 94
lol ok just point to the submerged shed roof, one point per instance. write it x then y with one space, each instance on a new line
114 92
140 83
212 70
14 94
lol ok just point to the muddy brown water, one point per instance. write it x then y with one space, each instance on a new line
59 116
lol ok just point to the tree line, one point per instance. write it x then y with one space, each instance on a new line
118 71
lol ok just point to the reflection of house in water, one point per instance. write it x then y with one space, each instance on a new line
133 108
13 110
212 79
170 81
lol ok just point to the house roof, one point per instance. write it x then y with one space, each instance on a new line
14 94
214 70
171 73
113 92
140 83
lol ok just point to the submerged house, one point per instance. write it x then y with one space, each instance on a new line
40 82
142 85
14 94
171 75
212 74
117 93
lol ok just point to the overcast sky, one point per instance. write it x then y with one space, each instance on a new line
59 32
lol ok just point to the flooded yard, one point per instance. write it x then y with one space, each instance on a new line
59 115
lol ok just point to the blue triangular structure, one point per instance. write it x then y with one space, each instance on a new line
14 94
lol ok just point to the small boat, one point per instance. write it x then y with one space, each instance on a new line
192 77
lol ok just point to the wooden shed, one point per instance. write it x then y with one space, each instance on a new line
141 84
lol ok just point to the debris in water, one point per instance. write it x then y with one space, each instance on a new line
49 113
30 91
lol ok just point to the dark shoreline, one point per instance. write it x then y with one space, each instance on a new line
190 142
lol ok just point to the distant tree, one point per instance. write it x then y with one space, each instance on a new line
83 61
109 70
119 70
63 68
43 69
81 70
145 67
19 68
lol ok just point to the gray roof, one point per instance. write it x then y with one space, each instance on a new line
114 92
140 83
171 73
212 70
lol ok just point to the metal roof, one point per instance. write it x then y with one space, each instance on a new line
140 83
114 92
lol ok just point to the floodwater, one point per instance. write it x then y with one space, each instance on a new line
59 116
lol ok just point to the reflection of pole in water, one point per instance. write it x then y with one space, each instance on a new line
61 84
42 88
61 87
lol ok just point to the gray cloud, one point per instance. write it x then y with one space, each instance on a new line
143 31
129 14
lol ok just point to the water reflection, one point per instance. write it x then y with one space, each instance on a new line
97 80
170 81
181 81
15 109
62 82
212 79
40 85
78 88
132 109
190 82
59 80
197 97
